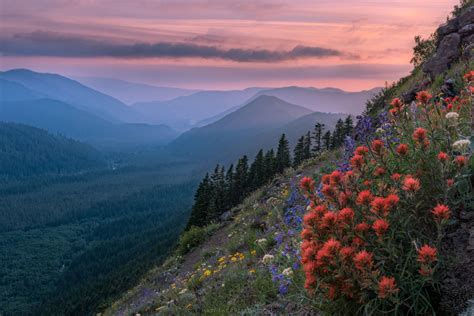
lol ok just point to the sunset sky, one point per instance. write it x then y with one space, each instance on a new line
219 44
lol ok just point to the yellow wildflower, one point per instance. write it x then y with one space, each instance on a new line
253 252
252 271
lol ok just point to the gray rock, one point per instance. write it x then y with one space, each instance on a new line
448 27
468 52
226 216
467 17
447 52
467 30
469 39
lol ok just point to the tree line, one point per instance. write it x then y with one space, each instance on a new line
223 189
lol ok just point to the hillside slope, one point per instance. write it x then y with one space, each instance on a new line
26 151
412 254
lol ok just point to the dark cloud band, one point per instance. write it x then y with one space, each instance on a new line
41 43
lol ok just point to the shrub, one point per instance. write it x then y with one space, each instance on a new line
193 237
372 233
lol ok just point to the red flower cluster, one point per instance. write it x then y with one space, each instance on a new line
423 97
387 287
402 149
441 212
411 184
307 184
356 231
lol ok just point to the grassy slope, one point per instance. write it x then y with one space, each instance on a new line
239 280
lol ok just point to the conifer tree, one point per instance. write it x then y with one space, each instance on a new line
217 205
283 159
317 135
241 180
307 146
298 152
327 140
202 200
348 126
269 162
338 134
229 187
257 171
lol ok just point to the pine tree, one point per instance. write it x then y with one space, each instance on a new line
202 200
307 146
241 180
298 152
229 187
257 171
269 162
317 135
283 159
217 205
327 140
338 134
348 126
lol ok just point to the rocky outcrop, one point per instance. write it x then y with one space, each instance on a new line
454 37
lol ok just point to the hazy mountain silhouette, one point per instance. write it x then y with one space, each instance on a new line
13 91
239 132
184 112
60 117
329 100
132 92
60 88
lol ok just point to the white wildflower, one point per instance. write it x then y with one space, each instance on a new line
261 241
461 145
183 291
452 118
379 131
288 272
268 258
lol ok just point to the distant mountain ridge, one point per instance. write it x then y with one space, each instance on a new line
60 117
70 91
206 107
184 112
133 92
258 124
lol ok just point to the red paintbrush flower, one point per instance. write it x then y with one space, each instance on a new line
396 176
362 227
379 171
461 161
441 212
361 150
380 227
411 184
387 287
402 149
427 255
363 260
423 97
346 215
307 184
335 177
357 161
377 146
443 157
364 198
419 135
